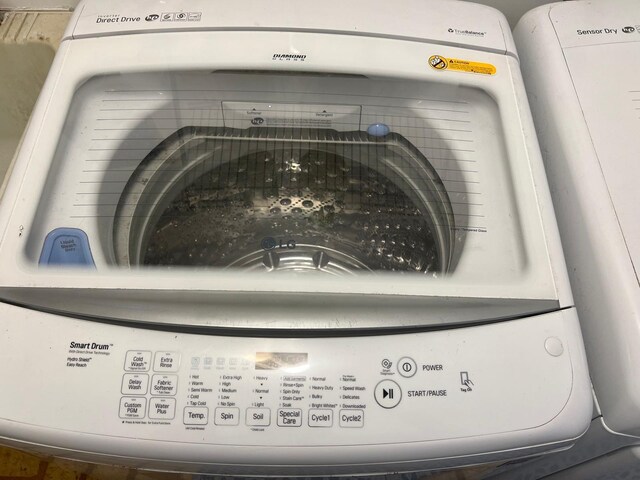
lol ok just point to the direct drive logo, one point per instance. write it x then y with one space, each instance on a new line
286 57
116 18
471 33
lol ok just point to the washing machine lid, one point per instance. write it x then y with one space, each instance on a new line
442 21
102 128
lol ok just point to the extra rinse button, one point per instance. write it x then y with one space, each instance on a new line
388 394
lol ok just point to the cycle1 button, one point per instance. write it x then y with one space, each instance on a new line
388 394
407 367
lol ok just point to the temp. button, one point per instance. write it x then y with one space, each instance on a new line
388 394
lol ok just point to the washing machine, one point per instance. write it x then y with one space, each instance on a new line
581 62
286 239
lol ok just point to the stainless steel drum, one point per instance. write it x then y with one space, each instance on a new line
285 199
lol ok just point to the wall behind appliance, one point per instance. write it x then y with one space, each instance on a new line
513 9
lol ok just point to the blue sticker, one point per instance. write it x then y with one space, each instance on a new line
378 129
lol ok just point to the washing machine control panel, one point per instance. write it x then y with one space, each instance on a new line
150 384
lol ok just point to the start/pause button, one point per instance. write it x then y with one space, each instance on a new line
387 394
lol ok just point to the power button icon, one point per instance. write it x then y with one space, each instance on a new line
407 367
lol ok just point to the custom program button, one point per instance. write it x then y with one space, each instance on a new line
407 367
320 417
258 417
351 418
289 417
195 416
137 361
388 394
135 383
133 407
164 385
162 408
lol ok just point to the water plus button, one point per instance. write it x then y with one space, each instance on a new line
388 394
407 367
133 407
166 362
162 408
135 383
289 417
320 417
195 416
164 385
227 416
137 361
258 417
352 418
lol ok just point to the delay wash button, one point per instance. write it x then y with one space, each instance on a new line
289 417
227 416
135 383
195 416
137 361
164 385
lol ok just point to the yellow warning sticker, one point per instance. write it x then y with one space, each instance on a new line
443 63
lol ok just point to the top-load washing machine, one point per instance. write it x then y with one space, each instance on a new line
286 238
581 63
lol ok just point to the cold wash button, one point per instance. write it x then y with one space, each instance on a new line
164 385
320 418
137 361
135 383
162 408
258 417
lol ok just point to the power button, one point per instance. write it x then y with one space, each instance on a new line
407 367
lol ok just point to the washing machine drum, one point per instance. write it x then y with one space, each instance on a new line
276 199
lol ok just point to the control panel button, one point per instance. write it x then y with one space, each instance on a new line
166 362
351 418
407 367
162 408
320 417
164 385
258 417
388 394
195 416
227 416
289 417
137 361
135 383
133 407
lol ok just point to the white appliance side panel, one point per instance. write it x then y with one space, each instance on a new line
266 401
468 24
582 164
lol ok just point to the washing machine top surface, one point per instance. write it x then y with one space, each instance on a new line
195 172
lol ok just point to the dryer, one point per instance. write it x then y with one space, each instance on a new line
276 239
581 61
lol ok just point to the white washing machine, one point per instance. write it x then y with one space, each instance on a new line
286 239
581 63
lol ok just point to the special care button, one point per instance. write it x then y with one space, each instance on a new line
166 362
289 417
137 361
351 418
135 383
320 417
227 416
195 416
387 394
162 408
133 407
258 417
164 385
